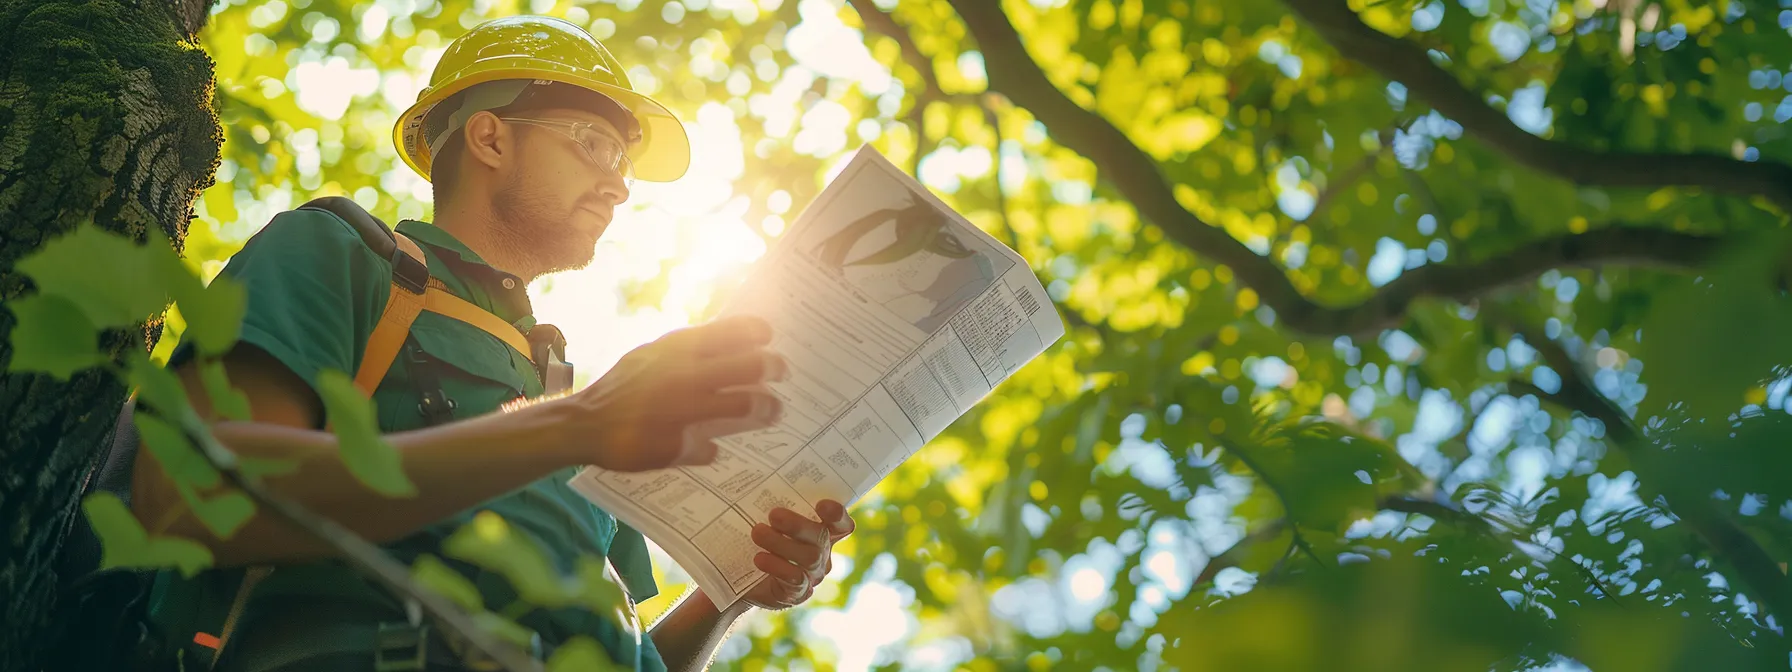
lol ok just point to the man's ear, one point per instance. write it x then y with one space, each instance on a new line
489 140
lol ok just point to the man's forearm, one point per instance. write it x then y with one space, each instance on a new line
454 467
688 636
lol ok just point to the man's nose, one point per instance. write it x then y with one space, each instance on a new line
613 187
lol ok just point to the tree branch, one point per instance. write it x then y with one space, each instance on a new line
1757 568
1009 237
881 22
1135 174
358 553
1409 64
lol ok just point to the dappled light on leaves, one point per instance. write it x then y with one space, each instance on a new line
1470 363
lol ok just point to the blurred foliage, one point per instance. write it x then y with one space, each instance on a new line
1183 481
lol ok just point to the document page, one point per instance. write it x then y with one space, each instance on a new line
897 315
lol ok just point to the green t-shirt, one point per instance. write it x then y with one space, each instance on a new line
315 292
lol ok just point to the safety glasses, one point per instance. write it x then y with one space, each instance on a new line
604 149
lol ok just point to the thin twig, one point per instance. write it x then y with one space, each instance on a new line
1229 557
360 554
881 22
1282 562
1010 237
1356 171
1270 482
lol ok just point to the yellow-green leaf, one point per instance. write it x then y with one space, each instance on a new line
505 629
114 281
125 544
368 456
601 595
581 654
157 385
176 454
226 400
430 572
214 313
223 514
490 542
52 336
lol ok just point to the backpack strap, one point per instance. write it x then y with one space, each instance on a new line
404 303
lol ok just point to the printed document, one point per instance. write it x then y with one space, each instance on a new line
896 315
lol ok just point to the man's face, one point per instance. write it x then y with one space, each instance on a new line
555 201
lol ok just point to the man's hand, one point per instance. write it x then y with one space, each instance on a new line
694 384
799 553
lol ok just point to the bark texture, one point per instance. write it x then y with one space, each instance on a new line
105 115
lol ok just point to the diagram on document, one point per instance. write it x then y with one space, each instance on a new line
897 316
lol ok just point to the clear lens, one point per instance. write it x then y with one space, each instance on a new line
605 150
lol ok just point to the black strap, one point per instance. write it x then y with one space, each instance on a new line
410 273
547 347
432 403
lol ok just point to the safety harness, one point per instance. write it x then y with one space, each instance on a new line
400 646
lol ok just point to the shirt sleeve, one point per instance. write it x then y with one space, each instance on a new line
628 553
314 292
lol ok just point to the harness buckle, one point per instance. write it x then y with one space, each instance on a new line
436 407
401 647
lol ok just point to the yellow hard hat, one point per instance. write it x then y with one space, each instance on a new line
543 49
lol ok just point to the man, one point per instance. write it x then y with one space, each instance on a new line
531 137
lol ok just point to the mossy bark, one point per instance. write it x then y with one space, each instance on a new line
106 115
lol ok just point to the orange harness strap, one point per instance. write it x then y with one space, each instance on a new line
388 335
402 309
439 301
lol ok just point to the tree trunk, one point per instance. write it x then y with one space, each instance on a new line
105 115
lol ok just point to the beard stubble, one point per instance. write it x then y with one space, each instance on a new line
531 228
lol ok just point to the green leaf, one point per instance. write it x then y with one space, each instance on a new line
214 313
157 385
505 629
223 514
490 542
226 400
114 281
581 654
1752 454
178 456
1399 614
262 467
368 456
1708 342
601 595
125 544
1320 469
52 336
430 572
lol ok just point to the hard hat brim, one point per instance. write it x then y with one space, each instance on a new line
662 155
